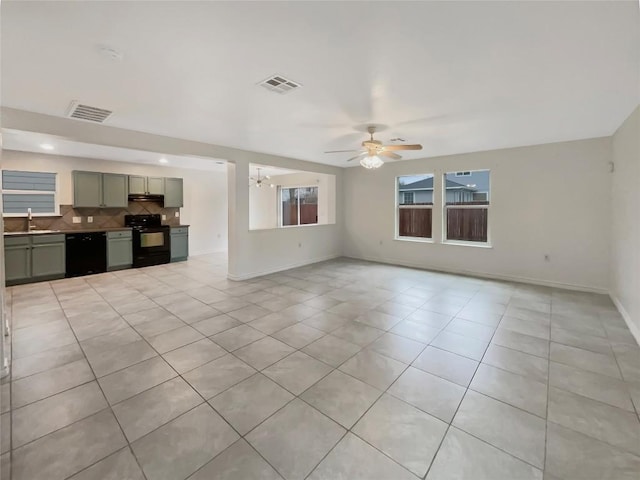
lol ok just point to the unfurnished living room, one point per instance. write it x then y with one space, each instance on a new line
323 240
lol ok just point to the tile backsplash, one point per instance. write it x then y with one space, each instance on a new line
102 217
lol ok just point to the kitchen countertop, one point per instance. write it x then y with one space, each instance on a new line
76 230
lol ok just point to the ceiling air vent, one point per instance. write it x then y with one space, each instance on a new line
279 84
88 113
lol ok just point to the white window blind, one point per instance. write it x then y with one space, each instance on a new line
24 190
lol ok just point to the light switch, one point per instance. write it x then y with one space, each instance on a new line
76 219
89 219
164 217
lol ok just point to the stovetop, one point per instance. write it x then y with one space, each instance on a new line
151 220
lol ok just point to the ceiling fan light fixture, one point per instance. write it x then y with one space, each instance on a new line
371 162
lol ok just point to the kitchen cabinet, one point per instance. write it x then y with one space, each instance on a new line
140 185
33 258
17 260
47 256
99 190
179 243
119 250
173 193
114 190
87 189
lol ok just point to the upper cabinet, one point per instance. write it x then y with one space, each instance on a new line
111 190
139 185
114 190
101 190
87 189
173 195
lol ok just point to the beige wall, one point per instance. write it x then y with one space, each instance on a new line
263 202
550 199
205 192
625 215
251 253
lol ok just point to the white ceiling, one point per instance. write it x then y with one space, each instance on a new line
454 76
32 142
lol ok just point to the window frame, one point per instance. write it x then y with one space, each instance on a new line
279 200
445 207
55 193
413 198
398 206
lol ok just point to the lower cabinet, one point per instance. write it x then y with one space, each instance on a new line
17 260
34 258
119 250
179 243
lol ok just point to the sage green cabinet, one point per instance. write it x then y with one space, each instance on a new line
179 243
87 189
115 190
140 185
17 260
100 190
173 194
34 258
111 190
119 250
47 256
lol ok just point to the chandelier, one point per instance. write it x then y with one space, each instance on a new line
259 180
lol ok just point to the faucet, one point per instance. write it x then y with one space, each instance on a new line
29 220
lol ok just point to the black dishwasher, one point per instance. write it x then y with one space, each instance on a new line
86 253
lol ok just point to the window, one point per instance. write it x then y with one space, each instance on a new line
414 206
408 198
466 206
299 206
29 190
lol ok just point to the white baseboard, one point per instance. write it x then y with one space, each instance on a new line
492 276
633 328
207 252
281 268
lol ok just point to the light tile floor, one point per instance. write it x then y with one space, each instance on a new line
343 369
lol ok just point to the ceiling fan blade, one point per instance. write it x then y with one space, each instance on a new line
390 148
358 156
395 156
341 151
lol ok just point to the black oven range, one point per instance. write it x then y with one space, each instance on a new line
151 240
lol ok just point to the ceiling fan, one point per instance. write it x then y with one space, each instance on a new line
259 181
374 149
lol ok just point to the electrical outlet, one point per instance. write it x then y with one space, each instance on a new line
177 214
76 219
164 217
89 219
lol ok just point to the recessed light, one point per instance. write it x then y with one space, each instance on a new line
46 146
163 160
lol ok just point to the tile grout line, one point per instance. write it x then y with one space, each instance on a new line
458 408
109 406
546 420
359 351
205 402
